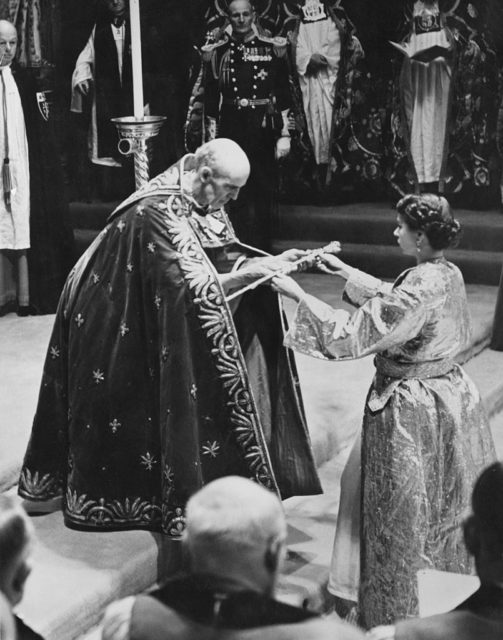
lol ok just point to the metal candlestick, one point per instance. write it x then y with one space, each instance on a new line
133 134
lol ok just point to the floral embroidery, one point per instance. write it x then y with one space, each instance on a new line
124 329
79 320
129 267
193 391
121 225
54 352
35 485
164 353
95 277
151 247
211 449
98 376
157 301
140 210
129 511
148 460
115 424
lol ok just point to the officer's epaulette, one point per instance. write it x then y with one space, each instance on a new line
277 42
209 47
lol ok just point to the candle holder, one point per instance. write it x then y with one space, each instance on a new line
133 136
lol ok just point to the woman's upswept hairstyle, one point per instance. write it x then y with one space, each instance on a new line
431 214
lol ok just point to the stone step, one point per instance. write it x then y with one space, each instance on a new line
386 261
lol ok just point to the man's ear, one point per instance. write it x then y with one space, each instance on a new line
205 174
471 535
274 555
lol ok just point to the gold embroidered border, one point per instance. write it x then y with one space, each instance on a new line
216 320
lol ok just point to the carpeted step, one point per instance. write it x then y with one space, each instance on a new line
88 219
90 215
333 392
386 261
374 223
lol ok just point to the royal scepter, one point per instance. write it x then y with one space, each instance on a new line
311 258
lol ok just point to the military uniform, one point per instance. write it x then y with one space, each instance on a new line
246 88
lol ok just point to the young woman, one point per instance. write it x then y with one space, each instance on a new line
425 436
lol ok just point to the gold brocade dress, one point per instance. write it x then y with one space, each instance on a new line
425 435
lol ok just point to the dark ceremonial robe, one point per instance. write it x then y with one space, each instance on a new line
356 151
50 257
469 163
24 632
150 387
479 617
114 95
192 604
234 76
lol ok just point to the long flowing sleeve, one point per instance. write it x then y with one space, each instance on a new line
83 71
388 318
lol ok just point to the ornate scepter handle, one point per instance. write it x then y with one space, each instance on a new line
311 258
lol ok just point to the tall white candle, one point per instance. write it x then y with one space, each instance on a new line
134 16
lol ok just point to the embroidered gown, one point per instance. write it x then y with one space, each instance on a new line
425 435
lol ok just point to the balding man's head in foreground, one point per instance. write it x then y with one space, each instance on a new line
222 168
235 532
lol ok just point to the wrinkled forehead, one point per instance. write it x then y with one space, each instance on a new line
240 5
7 31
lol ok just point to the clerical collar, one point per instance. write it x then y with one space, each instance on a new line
118 21
313 11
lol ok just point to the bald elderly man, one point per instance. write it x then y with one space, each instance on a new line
153 384
235 545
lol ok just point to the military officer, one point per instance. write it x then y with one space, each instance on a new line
247 99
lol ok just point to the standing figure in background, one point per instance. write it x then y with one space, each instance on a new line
103 74
14 183
443 114
337 112
425 435
247 98
36 242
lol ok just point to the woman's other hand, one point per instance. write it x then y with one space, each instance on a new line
288 287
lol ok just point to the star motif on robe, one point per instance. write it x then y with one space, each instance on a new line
151 247
262 74
79 320
211 449
129 267
98 376
168 474
54 352
148 460
95 277
124 329
115 424
193 391
121 225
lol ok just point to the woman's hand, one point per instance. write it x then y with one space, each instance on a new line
335 265
287 287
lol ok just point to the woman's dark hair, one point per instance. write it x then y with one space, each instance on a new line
431 214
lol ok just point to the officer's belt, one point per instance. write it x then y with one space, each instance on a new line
242 103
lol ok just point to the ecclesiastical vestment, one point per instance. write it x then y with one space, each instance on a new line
425 435
152 386
444 103
338 110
